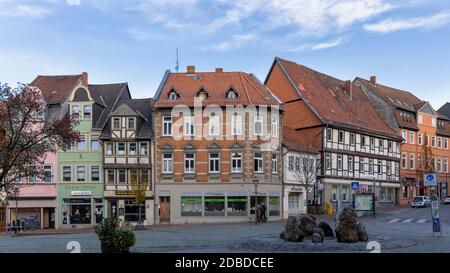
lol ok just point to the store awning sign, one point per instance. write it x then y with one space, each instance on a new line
81 193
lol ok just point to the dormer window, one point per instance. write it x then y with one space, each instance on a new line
231 95
202 94
173 96
75 111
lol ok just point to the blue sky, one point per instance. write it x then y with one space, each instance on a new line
406 43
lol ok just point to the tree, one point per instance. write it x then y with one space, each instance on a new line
139 187
306 170
427 164
26 135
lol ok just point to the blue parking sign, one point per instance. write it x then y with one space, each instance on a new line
355 186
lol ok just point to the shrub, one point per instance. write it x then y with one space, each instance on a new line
112 238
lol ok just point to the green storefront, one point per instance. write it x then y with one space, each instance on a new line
80 170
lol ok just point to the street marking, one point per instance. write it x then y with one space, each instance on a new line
394 220
408 220
421 221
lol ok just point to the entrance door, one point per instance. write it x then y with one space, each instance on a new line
2 219
164 209
113 209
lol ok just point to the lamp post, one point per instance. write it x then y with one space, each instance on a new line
16 197
256 183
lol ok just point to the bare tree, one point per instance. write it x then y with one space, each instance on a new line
306 170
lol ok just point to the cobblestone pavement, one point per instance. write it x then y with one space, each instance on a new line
402 235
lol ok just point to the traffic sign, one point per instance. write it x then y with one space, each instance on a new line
429 179
355 186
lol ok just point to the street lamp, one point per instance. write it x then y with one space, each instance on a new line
256 183
16 197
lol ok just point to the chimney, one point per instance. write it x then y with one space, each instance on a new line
219 70
349 89
190 69
84 79
373 80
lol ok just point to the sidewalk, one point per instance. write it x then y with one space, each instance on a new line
37 232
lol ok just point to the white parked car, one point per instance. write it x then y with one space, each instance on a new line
421 201
447 200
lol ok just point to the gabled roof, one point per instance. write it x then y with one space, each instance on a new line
297 141
445 110
106 97
57 88
217 84
327 98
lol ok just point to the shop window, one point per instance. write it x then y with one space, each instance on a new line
214 206
133 210
77 211
237 205
191 206
274 206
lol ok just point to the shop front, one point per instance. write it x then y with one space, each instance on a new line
294 201
215 204
79 205
122 205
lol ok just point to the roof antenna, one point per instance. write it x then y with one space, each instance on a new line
177 63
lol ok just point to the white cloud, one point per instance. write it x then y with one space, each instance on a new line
426 22
73 2
237 41
29 11
329 44
348 12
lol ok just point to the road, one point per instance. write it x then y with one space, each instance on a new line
400 230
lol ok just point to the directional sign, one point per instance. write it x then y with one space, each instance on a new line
355 186
429 179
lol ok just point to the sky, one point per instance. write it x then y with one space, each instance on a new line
405 43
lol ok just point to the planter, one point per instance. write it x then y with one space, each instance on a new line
111 249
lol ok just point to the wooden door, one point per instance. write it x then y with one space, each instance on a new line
2 219
164 209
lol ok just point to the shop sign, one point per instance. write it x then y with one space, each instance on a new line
81 193
296 189
124 193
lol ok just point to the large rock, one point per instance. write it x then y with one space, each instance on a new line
290 223
361 233
346 226
319 231
293 236
316 238
306 224
327 230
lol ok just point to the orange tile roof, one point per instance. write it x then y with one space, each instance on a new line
326 95
217 84
298 140
56 89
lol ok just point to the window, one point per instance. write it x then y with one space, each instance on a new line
214 206
439 143
87 112
258 163
133 176
361 164
47 173
405 135
420 119
275 127
439 164
379 166
352 139
350 163
341 137
433 122
144 149
446 143
236 124
116 123
214 124
446 165
173 96
132 149
110 176
404 161
167 163
363 141
419 138
237 205
75 111
411 161
214 163
258 125
371 165
274 164
390 146
191 206
231 95
411 137
297 163
81 144
131 123
419 161
380 145
327 161
189 163
388 168
95 145
433 141
144 177
291 163
167 126
67 173
189 127
95 173
122 176
109 148
339 162
236 162
329 135
81 173
428 140
121 148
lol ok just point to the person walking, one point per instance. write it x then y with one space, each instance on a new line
263 213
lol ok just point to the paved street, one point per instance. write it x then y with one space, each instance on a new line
400 230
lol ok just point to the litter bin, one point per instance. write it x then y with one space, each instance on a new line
329 208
